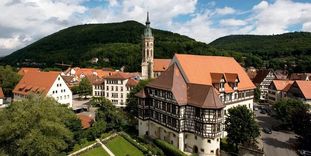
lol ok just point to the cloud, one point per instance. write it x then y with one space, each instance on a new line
278 17
225 11
232 22
24 21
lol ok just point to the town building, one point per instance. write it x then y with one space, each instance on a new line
73 76
114 87
22 71
150 67
187 104
49 84
262 80
300 90
1 96
300 76
278 90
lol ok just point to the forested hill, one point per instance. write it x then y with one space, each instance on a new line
114 44
119 44
291 49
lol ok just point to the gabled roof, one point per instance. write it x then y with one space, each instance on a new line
172 80
25 70
160 65
95 80
36 82
1 93
231 77
197 69
261 75
131 82
198 95
86 121
118 75
216 77
282 85
305 88
300 76
281 74
203 96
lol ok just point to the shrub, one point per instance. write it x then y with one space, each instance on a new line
145 148
168 149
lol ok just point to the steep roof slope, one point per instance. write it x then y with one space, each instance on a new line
305 87
197 69
37 82
160 65
282 85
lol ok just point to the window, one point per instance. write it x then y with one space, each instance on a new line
107 94
121 88
209 141
114 95
116 88
202 150
107 88
111 88
195 137
212 151
121 95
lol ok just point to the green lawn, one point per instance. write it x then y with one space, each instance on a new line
97 151
121 147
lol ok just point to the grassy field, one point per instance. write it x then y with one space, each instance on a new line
97 151
121 147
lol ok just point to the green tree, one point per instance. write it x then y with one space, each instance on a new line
85 87
286 108
107 112
132 102
257 94
35 126
8 79
241 126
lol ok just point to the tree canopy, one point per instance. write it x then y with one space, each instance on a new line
36 126
132 102
85 87
8 79
241 126
119 44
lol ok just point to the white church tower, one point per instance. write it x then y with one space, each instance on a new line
147 52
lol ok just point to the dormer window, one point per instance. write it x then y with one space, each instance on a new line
221 85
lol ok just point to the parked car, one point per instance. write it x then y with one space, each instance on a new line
255 109
304 152
267 130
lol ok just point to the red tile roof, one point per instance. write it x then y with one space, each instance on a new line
198 69
86 121
131 82
197 95
25 70
118 75
305 87
160 65
1 93
282 85
36 82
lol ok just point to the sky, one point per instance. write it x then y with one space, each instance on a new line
23 22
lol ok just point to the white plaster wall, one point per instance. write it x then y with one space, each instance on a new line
61 97
209 148
121 83
1 101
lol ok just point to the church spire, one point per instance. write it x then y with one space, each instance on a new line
147 22
148 32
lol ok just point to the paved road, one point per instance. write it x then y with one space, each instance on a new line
279 143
